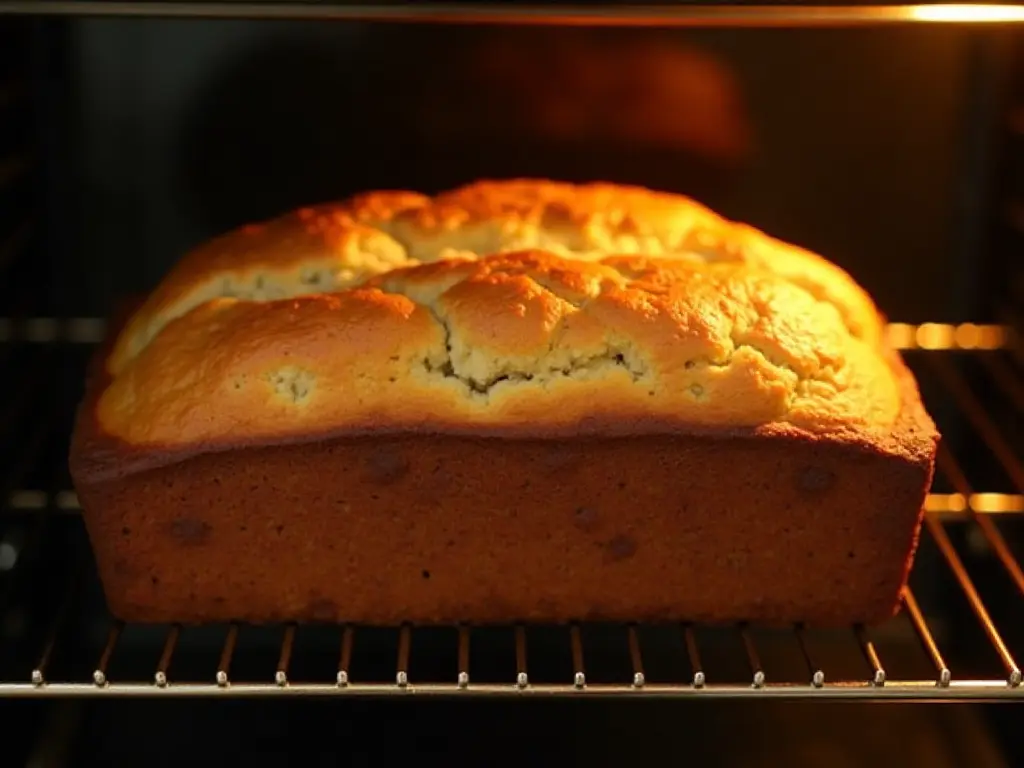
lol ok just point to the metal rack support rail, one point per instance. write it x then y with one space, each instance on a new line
748 15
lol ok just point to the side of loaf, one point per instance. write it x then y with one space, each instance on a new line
631 410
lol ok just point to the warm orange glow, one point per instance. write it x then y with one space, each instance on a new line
935 336
991 14
982 503
996 503
945 502
946 336
901 335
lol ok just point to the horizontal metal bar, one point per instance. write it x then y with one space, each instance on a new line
960 505
946 506
624 15
50 330
902 336
914 689
942 336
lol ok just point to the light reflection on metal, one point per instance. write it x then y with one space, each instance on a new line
946 336
931 336
970 12
623 15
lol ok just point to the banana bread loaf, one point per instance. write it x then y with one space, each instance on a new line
517 401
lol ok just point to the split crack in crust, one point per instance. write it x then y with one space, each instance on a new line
591 364
617 355
380 310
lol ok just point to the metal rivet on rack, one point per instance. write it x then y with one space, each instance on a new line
160 678
345 656
281 675
635 658
817 675
463 678
99 676
871 656
402 670
925 635
579 679
226 654
522 680
753 659
693 653
38 675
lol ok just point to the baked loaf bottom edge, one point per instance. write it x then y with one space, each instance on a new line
442 529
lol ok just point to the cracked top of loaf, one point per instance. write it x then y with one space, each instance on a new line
513 306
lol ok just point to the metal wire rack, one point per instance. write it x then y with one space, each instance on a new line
947 643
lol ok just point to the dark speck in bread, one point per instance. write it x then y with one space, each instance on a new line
620 547
386 466
815 480
585 518
190 532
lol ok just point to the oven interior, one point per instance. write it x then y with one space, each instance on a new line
896 150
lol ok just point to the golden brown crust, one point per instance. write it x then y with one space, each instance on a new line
336 246
343 316
509 340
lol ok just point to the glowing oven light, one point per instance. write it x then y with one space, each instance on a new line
935 336
992 14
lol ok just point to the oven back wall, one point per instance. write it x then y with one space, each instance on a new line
856 143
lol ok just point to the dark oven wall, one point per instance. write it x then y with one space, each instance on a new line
1007 212
868 145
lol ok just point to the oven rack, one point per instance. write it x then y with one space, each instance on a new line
972 377
875 684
